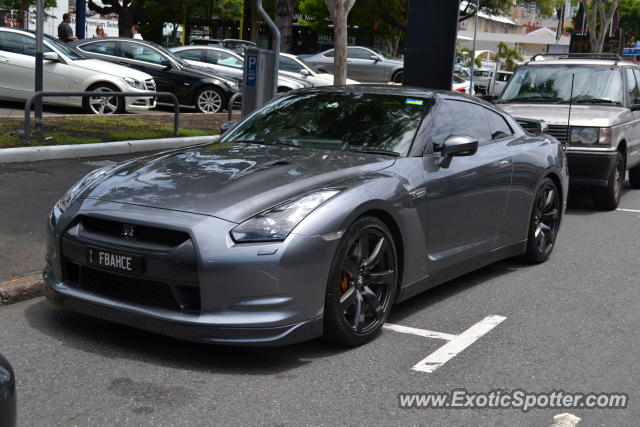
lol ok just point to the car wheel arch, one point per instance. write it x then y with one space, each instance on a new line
622 149
556 180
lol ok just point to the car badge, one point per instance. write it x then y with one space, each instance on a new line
128 231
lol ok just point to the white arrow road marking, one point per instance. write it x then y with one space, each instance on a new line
565 420
456 343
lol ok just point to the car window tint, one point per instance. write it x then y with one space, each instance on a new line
192 54
140 52
632 87
17 43
499 127
358 53
288 64
459 118
636 72
329 54
104 48
501 77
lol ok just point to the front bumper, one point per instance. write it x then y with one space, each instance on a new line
265 294
139 104
591 169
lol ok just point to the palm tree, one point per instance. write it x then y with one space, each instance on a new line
510 56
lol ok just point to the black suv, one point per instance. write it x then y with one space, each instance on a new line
207 92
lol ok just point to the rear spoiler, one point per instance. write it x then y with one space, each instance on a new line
533 126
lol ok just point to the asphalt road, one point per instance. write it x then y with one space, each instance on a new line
571 324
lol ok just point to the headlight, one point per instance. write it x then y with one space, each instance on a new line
135 83
232 85
68 197
276 223
588 136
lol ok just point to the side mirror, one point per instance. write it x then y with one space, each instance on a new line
305 72
374 58
51 56
166 64
227 126
457 145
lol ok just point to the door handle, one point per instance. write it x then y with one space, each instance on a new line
504 163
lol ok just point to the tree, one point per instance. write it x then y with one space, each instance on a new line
23 6
127 10
629 13
284 22
339 12
598 16
510 56
502 7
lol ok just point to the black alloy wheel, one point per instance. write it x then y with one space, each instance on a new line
544 223
362 285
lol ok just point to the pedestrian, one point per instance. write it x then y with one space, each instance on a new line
100 32
65 32
135 32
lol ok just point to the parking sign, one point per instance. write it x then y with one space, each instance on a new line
252 67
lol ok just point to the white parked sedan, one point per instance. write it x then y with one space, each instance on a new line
293 66
67 70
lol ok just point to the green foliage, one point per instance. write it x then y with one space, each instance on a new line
23 6
509 56
629 12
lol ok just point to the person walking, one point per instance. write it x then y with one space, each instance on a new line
135 32
65 32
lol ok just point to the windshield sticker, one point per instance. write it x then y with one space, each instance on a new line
414 101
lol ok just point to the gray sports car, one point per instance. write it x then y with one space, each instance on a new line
310 217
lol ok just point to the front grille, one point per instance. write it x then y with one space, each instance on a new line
150 85
558 131
142 234
122 288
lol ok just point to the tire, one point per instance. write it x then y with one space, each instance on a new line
608 198
397 77
544 223
209 100
103 105
368 282
634 177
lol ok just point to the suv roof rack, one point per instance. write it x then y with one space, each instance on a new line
609 56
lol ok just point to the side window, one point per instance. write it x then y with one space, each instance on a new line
499 127
329 54
459 118
104 48
229 60
192 54
288 64
358 53
140 52
17 43
632 86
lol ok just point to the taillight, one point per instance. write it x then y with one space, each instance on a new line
461 90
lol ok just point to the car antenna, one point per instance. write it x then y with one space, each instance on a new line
573 76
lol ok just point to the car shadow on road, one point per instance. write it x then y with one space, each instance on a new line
88 334
580 202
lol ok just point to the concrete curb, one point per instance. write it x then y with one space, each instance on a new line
55 152
21 289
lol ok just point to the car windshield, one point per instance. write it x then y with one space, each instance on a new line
552 83
348 121
64 49
171 55
309 66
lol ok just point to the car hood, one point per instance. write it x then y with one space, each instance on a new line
100 66
581 115
230 181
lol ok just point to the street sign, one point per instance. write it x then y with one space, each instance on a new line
631 51
252 70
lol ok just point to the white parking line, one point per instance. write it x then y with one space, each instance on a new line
455 344
565 420
628 210
418 332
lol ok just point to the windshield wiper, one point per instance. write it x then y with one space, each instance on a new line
554 100
373 151
593 101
